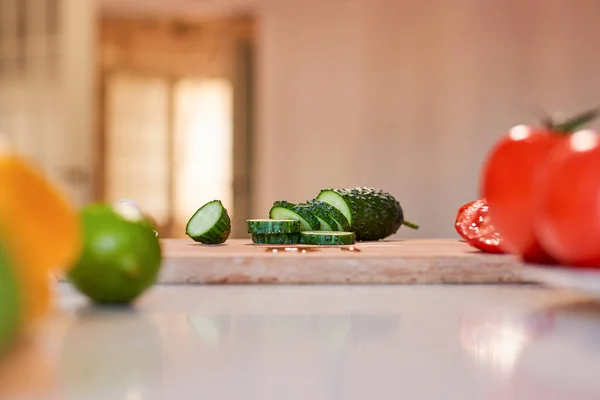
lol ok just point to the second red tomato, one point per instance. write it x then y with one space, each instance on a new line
567 207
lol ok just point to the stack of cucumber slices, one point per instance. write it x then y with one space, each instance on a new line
267 231
335 217
289 231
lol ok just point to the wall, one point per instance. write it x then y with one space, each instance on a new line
408 95
46 104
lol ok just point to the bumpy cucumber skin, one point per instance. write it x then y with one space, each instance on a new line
272 226
330 238
281 238
220 231
375 214
330 214
302 210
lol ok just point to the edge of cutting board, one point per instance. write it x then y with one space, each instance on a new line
407 261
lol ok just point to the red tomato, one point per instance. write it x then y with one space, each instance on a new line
507 183
474 225
567 208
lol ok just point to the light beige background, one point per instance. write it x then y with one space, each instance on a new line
404 95
409 95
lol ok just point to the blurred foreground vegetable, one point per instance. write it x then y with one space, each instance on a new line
509 182
39 234
121 254
10 301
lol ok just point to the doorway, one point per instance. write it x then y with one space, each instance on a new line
173 138
168 145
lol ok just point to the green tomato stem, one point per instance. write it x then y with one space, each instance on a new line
577 122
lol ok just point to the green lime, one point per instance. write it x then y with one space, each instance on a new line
121 255
10 302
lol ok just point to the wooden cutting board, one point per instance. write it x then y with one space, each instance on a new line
393 261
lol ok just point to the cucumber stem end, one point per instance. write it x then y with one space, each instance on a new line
410 225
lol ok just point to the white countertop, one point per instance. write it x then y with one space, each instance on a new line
316 342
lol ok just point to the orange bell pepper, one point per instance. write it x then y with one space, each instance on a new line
39 227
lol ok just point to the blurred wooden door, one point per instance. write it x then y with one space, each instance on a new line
176 117
136 144
202 158
168 145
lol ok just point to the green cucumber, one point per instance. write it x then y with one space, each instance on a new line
324 225
372 213
270 226
299 212
333 217
278 238
327 238
210 224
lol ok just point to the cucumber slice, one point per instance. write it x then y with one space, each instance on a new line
210 224
299 212
270 226
324 225
279 238
332 216
327 238
330 196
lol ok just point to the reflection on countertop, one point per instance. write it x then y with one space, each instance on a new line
318 342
